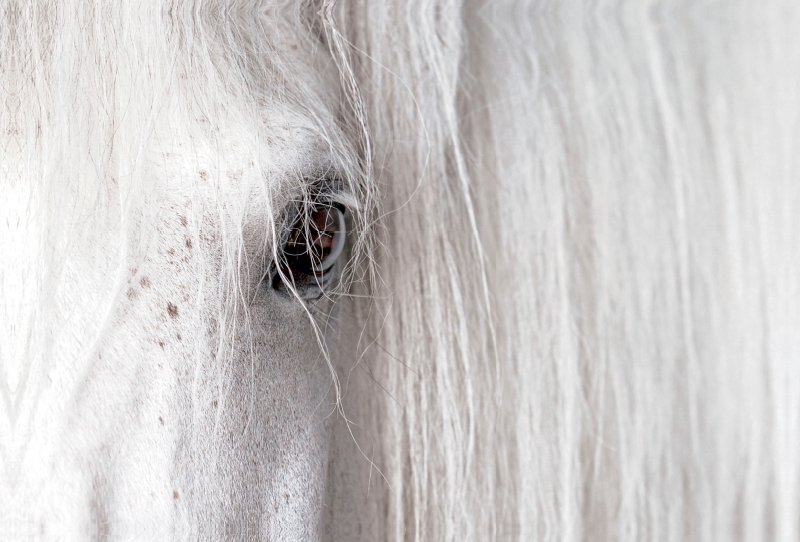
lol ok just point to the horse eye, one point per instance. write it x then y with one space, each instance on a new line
315 242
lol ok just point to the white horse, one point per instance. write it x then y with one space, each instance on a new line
399 270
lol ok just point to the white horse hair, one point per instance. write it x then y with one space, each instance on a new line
569 308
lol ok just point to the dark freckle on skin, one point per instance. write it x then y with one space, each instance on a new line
172 310
145 282
179 336
183 221
131 293
171 252
161 344
214 403
188 243
203 174
174 494
161 420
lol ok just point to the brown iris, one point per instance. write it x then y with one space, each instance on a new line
315 242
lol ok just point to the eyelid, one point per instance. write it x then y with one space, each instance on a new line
344 198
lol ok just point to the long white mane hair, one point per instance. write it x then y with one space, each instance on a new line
590 271
572 305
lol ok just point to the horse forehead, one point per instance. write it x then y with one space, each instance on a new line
226 160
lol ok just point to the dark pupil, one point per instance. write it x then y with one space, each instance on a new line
310 242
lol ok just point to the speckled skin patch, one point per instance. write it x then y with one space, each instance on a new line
170 394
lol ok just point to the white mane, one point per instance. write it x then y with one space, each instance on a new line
590 276
571 305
